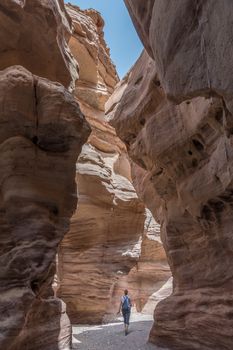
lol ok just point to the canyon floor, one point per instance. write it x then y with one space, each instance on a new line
111 336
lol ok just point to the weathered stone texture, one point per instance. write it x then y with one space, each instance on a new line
149 273
102 252
42 132
109 217
175 118
97 73
193 52
34 34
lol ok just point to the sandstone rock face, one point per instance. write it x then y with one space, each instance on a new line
189 62
102 242
175 118
97 74
34 34
42 131
164 292
106 249
148 275
109 218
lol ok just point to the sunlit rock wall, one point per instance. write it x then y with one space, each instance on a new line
149 274
100 254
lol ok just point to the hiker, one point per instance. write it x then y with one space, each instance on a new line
125 308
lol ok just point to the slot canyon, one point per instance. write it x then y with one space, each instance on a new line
109 184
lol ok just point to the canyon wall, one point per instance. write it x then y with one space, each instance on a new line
106 249
42 132
175 116
149 274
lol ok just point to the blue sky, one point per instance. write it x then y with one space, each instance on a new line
120 34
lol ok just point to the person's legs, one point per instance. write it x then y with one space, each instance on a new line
127 316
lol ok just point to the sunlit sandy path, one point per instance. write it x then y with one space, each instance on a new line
111 336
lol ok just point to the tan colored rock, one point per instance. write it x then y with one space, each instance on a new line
101 242
34 34
42 131
164 292
148 275
109 218
98 75
183 155
100 254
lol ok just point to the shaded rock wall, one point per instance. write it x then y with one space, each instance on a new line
34 34
42 131
102 252
175 117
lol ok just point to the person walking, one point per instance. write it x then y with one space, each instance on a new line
125 308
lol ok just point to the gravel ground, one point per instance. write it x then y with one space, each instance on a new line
111 336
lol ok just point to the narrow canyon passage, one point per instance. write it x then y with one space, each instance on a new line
113 242
58 149
111 336
108 184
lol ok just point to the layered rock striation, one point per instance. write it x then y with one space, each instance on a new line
103 251
109 218
34 34
97 73
175 117
148 275
42 132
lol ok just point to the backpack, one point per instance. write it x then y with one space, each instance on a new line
126 303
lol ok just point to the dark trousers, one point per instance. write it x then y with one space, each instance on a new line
126 315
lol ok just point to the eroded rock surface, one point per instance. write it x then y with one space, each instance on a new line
148 275
97 73
183 156
109 217
42 132
103 251
189 51
34 34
